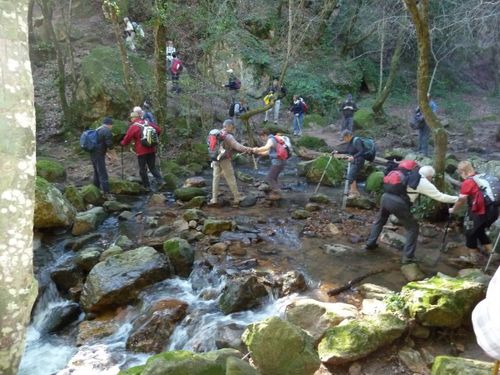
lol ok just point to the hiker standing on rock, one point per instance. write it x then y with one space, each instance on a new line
224 166
348 107
480 215
401 189
297 109
98 156
354 155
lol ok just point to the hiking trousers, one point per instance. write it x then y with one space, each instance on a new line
399 207
224 167
100 172
274 172
348 124
423 139
148 161
275 109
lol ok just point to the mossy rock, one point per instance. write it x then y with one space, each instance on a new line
91 194
315 120
136 370
117 186
171 181
364 119
310 142
445 365
52 209
375 183
73 195
194 168
313 170
170 166
181 255
51 170
188 193
214 226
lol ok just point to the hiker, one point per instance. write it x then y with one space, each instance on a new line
98 156
354 155
277 91
146 112
297 109
397 200
146 156
236 109
233 83
129 33
480 215
175 71
278 162
424 132
170 50
224 166
348 107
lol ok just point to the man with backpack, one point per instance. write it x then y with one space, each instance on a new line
175 71
401 188
145 137
222 162
278 91
233 83
481 213
348 107
297 109
104 143
236 109
278 147
424 132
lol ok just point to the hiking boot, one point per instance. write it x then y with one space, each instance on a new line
370 246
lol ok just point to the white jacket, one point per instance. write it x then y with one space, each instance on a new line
426 187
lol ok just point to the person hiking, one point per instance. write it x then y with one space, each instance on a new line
279 92
175 71
397 200
169 51
146 155
236 109
224 166
233 83
98 156
480 215
129 33
348 107
297 109
424 132
432 103
278 162
146 112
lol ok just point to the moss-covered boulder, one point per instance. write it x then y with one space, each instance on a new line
186 194
51 170
181 255
193 214
215 226
444 365
319 198
236 366
123 187
91 194
375 183
441 301
364 119
196 202
310 142
171 181
242 294
279 347
170 166
313 170
73 195
88 221
52 209
300 214
358 338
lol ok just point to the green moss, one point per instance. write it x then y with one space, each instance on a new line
76 199
117 186
186 194
171 181
313 170
50 170
375 182
314 120
137 370
170 166
91 194
364 119
313 143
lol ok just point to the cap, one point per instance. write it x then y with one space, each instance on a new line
107 120
137 109
134 115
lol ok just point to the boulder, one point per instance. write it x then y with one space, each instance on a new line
413 360
236 366
393 239
171 182
115 206
412 272
300 214
112 250
312 207
360 201
358 338
151 331
195 202
58 317
88 221
78 243
319 198
441 301
195 182
374 291
193 214
123 187
66 275
279 347
444 365
72 194
292 282
91 194
52 209
181 255
364 119
119 279
88 257
124 242
229 336
214 226
375 183
188 193
241 294
50 170
313 170
91 331
316 317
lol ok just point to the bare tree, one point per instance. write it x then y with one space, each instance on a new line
18 287
160 71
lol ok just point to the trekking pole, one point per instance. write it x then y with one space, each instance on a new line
346 186
443 242
254 162
492 253
323 175
122 160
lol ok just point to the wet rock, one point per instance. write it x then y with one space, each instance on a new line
392 239
88 221
317 317
374 291
196 202
198 182
115 206
186 194
336 249
358 338
157 200
243 177
52 209
292 282
245 238
279 347
119 279
236 366
112 250
413 360
72 194
444 365
91 194
429 231
93 359
59 317
474 274
214 226
237 249
229 336
88 257
194 214
360 201
300 214
90 331
218 248
420 332
126 215
334 229
150 332
319 198
412 272
78 243
192 224
151 221
373 307
66 275
181 255
241 294
162 231
441 301
312 207
248 201
124 242
125 187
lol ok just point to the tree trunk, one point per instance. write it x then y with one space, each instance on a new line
18 287
377 107
69 46
326 12
352 22
420 18
160 97
31 31
381 62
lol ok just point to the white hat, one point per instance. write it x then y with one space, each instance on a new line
427 171
230 70
137 109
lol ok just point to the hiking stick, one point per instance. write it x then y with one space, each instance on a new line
491 256
347 286
443 242
346 186
254 162
323 175
122 160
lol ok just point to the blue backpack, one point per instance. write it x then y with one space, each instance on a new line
89 140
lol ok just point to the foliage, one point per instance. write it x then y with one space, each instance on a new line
313 143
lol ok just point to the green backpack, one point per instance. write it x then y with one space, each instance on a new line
369 148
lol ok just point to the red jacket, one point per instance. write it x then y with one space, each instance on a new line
134 133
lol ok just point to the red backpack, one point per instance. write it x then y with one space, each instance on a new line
283 147
303 105
176 66
405 174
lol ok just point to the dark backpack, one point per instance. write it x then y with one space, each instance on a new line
214 142
231 109
149 136
89 140
405 174
490 187
283 147
369 148
303 105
